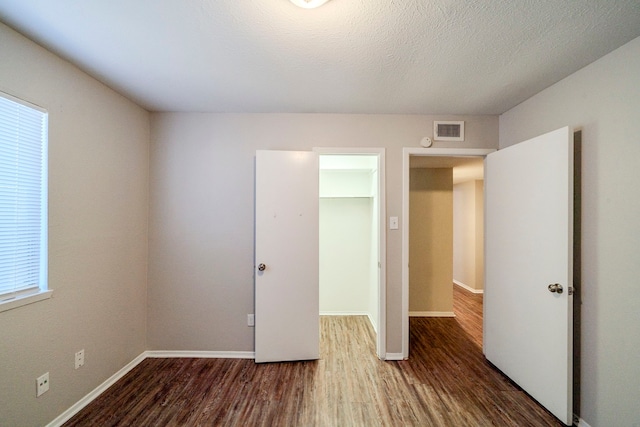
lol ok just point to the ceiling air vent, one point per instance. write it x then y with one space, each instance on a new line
448 131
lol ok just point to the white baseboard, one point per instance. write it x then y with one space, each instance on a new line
344 313
469 288
373 324
75 408
431 314
91 396
352 313
581 422
155 354
393 356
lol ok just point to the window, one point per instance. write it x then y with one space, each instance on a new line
23 203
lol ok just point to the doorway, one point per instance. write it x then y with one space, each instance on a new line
352 238
528 315
446 240
279 276
426 158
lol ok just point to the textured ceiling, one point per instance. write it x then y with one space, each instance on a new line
348 56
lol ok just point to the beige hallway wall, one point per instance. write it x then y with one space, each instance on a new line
430 241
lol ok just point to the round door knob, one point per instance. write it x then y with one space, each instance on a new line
262 267
555 288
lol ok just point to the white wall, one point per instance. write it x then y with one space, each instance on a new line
468 234
98 210
345 183
345 251
202 212
603 99
346 221
349 230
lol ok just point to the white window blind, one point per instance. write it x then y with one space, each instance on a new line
23 198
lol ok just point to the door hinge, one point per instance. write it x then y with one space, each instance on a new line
571 290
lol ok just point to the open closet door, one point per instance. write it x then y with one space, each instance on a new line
287 323
528 319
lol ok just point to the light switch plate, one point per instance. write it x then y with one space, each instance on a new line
393 223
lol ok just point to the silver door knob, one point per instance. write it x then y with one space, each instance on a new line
556 288
262 267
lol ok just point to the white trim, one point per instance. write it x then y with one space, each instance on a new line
160 354
448 152
581 422
407 152
381 330
373 325
24 300
80 404
394 356
468 288
344 313
352 313
431 314
23 102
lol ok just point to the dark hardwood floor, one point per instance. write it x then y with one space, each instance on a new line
467 307
445 382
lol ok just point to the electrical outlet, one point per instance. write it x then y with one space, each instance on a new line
80 358
251 320
42 384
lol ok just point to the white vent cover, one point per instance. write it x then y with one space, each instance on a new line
448 131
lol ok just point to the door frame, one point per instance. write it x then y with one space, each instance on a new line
381 336
407 152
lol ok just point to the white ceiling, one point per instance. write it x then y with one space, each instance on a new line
348 56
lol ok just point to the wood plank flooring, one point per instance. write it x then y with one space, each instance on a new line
445 382
467 307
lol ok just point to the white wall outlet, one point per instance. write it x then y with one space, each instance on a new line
251 320
80 358
42 384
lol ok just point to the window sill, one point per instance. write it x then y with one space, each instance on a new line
28 299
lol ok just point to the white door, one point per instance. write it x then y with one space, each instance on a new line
287 324
529 236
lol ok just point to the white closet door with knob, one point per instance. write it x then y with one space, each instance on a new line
528 320
287 324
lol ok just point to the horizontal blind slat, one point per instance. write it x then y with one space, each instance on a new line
22 166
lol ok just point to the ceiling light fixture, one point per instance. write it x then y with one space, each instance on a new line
309 4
